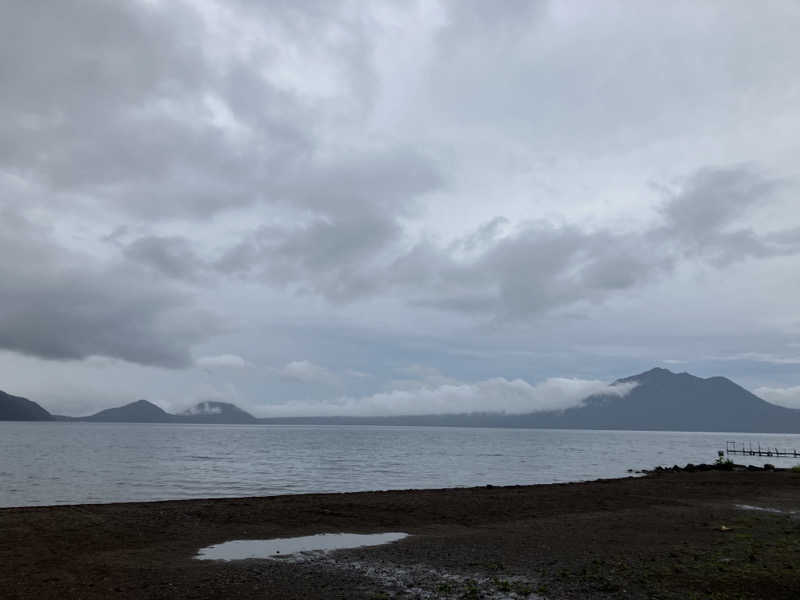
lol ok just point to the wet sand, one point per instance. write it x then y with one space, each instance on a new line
667 535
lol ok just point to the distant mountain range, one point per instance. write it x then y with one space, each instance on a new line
661 400
15 408
143 411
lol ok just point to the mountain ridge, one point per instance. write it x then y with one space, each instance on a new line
661 400
144 411
139 411
17 408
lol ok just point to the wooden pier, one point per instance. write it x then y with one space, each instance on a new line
758 450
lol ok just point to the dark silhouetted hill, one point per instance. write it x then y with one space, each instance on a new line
16 408
140 411
663 400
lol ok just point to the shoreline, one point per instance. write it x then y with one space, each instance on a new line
628 474
670 534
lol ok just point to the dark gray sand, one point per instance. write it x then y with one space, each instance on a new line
668 535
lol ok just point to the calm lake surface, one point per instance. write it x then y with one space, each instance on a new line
66 463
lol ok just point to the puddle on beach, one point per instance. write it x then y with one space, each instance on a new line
404 580
767 509
278 547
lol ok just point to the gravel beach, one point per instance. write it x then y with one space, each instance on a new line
666 535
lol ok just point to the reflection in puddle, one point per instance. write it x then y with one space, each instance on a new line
242 549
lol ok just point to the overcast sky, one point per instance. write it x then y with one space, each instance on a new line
328 207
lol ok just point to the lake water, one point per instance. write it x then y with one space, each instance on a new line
67 463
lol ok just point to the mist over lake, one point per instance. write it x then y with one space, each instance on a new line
70 463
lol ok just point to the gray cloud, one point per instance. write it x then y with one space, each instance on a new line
573 81
134 111
353 208
534 269
240 138
222 361
324 257
713 198
707 216
418 169
61 305
172 256
496 270
305 371
540 267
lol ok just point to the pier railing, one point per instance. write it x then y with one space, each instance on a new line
733 448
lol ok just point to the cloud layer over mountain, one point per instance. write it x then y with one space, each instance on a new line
492 395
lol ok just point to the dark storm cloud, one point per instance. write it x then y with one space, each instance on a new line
60 305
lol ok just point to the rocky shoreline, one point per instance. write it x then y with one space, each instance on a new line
717 466
693 532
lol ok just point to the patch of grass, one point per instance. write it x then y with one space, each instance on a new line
444 588
472 591
523 589
759 559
